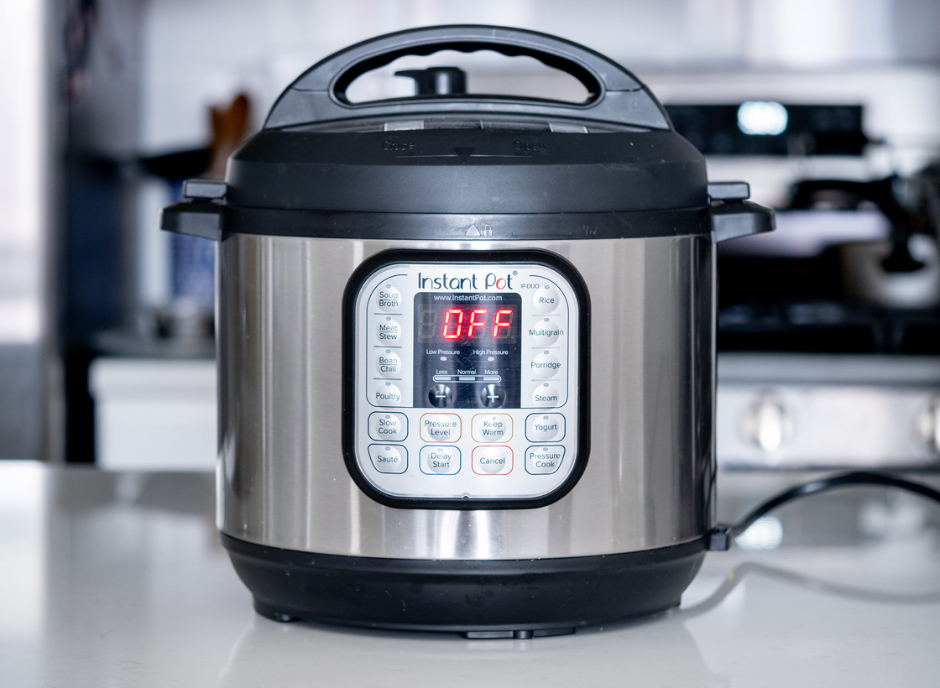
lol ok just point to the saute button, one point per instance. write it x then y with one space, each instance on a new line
492 427
545 332
544 366
387 395
544 427
388 299
546 395
388 458
544 460
387 363
438 460
545 300
387 331
492 460
440 427
388 427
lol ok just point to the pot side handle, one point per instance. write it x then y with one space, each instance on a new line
733 216
202 215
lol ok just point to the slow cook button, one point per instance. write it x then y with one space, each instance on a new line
440 427
388 458
388 299
545 332
492 427
438 460
386 394
388 427
546 395
387 331
544 460
545 300
387 363
545 365
545 427
492 460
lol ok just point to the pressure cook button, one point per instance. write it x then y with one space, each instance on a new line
492 427
440 427
388 458
544 460
440 460
387 395
492 460
387 363
388 299
441 396
492 396
388 427
387 331
544 427
545 332
545 300
546 395
544 366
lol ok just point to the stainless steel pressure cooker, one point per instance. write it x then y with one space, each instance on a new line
466 347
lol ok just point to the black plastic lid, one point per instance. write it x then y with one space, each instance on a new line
467 153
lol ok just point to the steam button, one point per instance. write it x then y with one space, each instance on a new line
546 395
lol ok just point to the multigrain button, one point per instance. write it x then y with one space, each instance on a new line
545 365
388 427
545 332
387 363
492 427
438 460
388 299
546 395
544 460
386 394
440 427
544 427
387 331
388 458
492 460
545 300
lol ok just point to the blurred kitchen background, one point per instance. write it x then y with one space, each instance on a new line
828 330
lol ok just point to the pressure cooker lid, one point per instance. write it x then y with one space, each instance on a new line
452 152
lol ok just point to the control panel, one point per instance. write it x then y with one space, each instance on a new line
466 380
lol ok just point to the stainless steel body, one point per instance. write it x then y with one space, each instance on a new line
650 472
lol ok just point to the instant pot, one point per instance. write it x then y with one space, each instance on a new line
466 347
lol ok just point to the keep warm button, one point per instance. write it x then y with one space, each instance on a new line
438 460
544 460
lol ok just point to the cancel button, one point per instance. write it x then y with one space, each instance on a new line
544 459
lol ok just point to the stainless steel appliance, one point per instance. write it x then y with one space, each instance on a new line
466 348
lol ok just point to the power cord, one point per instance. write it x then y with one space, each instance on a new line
722 536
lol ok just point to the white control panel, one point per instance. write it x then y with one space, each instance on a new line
466 380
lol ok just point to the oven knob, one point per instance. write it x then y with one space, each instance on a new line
441 396
492 396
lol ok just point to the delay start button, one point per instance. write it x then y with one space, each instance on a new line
544 460
439 460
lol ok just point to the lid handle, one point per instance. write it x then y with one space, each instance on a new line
615 95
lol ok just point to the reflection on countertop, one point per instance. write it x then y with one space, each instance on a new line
119 578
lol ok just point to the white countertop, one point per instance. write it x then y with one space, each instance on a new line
118 579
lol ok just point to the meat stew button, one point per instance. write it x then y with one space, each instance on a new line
388 458
544 460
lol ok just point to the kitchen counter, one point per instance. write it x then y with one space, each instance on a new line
117 579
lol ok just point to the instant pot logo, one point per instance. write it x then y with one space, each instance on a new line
475 282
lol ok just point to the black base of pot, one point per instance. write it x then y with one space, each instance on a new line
518 598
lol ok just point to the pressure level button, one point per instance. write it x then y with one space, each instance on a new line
387 331
440 427
439 460
388 458
544 460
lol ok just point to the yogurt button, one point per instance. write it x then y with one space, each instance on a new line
544 460
387 331
492 460
386 395
440 427
388 299
544 332
546 395
388 458
544 366
388 427
387 363
438 460
544 427
545 300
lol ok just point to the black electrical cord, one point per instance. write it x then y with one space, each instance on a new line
721 537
